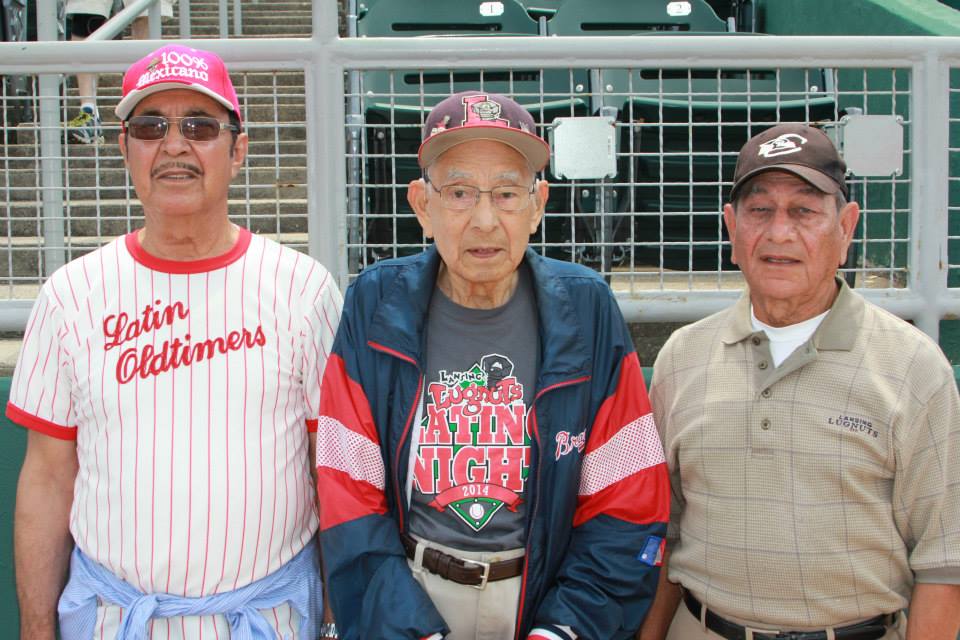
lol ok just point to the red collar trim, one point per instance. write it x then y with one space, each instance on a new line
187 266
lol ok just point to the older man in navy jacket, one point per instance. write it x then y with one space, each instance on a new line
488 463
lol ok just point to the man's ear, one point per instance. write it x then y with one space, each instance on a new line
730 220
540 194
239 153
417 198
849 216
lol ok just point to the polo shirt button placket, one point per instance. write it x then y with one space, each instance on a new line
765 424
762 365
766 393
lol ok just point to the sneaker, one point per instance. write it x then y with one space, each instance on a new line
85 129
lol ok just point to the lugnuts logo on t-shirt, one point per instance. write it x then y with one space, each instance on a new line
474 452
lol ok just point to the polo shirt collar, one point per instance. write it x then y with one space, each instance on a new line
837 332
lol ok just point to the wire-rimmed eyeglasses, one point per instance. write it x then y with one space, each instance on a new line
461 197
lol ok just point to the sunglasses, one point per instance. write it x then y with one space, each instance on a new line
196 128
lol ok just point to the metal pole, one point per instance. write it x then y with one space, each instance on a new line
326 147
224 24
237 19
930 113
184 19
51 156
354 129
153 21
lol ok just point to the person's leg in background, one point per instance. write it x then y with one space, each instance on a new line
85 128
86 17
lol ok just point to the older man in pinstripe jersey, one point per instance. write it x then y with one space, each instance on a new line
171 382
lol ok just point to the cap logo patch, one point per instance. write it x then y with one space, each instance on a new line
480 108
173 64
782 145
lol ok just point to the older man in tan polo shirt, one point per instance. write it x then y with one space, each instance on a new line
813 439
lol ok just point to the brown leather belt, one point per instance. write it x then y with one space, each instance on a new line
473 573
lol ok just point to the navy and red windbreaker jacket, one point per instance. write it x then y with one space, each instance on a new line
592 513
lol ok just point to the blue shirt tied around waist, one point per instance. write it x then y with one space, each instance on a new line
297 582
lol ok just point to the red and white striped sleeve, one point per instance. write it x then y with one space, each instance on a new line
323 316
40 392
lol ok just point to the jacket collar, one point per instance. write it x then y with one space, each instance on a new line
400 319
837 332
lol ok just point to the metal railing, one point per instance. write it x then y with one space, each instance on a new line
903 256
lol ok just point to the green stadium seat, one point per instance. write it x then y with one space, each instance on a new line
394 104
680 129
607 17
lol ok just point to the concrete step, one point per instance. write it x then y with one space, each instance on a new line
288 213
212 8
281 82
256 108
103 195
264 18
21 183
282 142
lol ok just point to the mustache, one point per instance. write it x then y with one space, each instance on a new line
186 166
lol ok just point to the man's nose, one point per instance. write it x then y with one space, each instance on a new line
782 226
174 143
485 213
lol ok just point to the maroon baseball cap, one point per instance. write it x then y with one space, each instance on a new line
175 66
477 115
802 150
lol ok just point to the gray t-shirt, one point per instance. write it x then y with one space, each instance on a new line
473 447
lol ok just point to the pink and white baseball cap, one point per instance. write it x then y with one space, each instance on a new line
177 67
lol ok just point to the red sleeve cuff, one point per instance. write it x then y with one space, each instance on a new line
40 425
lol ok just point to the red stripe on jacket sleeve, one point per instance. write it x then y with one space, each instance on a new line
36 423
627 403
343 499
624 473
345 401
350 468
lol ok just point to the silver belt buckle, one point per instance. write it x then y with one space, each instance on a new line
486 573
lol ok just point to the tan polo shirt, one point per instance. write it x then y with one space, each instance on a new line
814 493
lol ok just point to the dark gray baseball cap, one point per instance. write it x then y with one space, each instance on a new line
800 149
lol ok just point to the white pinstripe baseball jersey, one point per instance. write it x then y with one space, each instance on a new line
189 388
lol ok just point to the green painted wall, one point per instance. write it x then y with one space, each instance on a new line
13 442
858 17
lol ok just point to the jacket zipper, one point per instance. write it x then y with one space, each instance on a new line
406 428
536 500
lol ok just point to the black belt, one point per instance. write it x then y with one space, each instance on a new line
473 573
866 630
